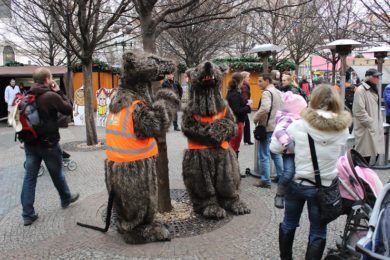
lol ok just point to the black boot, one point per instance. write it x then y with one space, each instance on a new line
315 249
285 243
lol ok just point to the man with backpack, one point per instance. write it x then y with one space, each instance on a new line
50 100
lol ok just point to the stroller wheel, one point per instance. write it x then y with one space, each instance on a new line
72 165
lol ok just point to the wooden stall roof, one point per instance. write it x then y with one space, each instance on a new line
23 71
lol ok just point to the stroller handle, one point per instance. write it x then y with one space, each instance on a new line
361 249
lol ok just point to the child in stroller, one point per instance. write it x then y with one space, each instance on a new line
66 162
376 244
359 188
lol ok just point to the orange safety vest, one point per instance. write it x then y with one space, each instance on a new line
208 119
122 145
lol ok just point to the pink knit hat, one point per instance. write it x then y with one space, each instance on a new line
293 103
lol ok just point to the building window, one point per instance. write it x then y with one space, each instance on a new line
8 54
5 9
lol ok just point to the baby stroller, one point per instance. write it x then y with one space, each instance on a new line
66 163
376 244
359 188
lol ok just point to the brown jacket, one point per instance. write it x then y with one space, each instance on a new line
261 115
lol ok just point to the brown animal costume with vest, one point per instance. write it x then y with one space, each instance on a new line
210 167
135 183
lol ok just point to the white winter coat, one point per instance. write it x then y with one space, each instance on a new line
329 132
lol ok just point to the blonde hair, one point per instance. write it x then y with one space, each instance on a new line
326 98
41 74
245 74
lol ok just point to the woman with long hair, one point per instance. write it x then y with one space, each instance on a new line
327 123
239 107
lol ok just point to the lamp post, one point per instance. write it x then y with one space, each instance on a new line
380 53
343 47
263 51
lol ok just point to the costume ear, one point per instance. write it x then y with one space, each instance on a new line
189 72
224 68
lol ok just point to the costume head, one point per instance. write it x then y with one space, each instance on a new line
206 84
140 69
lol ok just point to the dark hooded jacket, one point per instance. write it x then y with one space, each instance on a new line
50 103
238 105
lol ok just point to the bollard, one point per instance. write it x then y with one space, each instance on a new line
256 170
383 159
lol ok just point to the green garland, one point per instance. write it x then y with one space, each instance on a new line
253 64
181 68
13 64
97 65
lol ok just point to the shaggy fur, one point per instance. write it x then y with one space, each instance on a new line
135 183
338 123
211 175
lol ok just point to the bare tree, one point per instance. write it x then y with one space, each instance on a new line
377 19
336 20
83 25
304 34
199 41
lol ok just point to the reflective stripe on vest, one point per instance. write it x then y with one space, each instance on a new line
122 144
208 119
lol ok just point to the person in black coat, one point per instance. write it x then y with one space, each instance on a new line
170 83
239 107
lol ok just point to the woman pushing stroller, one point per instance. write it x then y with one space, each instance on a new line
327 124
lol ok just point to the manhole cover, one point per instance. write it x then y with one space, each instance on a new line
185 224
81 146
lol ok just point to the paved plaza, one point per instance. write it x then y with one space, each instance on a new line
55 234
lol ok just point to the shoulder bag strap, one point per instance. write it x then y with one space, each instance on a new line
314 161
270 110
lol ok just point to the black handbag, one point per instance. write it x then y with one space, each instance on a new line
328 198
260 132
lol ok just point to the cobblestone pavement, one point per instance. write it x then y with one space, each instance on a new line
55 234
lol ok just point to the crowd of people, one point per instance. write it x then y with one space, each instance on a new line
292 114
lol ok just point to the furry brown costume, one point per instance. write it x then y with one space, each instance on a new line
211 175
135 183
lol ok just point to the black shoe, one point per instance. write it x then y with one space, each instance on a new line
262 184
28 222
275 179
242 175
73 198
249 143
279 201
176 129
65 155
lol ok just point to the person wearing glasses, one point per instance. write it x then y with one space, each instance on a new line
367 118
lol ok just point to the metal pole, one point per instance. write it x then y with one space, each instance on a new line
343 72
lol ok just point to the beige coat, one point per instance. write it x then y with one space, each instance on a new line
368 122
261 115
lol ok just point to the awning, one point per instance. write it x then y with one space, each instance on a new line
27 71
361 71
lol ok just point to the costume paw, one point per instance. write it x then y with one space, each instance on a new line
240 208
157 232
214 211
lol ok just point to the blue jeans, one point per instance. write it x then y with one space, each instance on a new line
53 160
288 170
296 196
264 160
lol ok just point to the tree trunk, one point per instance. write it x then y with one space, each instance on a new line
333 73
148 34
89 113
164 198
